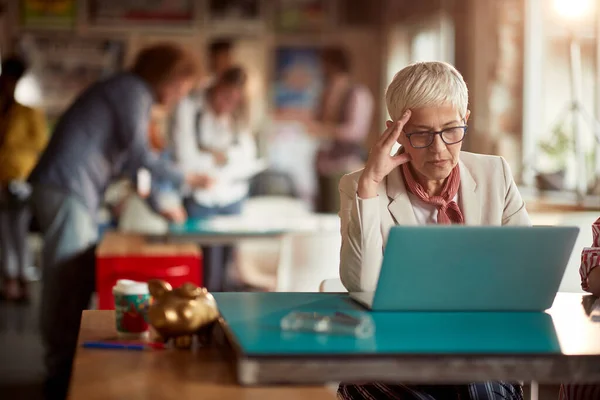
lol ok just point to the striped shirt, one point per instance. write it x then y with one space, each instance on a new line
579 392
473 391
590 257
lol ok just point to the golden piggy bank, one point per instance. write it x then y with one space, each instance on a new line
181 313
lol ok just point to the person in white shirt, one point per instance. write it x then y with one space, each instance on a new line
211 135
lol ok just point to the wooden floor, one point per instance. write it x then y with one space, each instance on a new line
21 364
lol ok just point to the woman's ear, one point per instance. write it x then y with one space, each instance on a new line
467 115
158 288
388 123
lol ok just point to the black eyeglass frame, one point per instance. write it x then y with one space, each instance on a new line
441 133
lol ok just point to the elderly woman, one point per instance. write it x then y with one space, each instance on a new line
428 181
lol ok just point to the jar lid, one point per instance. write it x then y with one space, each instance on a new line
128 286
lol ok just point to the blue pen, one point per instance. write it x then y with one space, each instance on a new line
122 346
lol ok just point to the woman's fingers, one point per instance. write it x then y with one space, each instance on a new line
389 128
397 131
402 158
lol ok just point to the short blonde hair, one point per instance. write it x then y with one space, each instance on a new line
426 84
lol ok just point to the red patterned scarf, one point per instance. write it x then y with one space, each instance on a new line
448 210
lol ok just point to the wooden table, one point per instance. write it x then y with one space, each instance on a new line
166 374
119 244
175 374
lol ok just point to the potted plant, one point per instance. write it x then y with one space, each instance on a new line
557 149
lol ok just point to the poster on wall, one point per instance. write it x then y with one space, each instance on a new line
298 83
48 14
157 12
302 15
62 66
298 80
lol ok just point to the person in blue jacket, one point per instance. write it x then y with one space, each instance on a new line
102 136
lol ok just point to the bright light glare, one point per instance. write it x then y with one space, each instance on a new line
573 9
29 92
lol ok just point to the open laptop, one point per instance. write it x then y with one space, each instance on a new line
463 268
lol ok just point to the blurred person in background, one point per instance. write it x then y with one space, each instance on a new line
220 58
23 136
103 135
342 122
211 134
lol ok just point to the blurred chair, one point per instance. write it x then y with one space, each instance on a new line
258 259
571 281
332 285
273 183
275 206
307 259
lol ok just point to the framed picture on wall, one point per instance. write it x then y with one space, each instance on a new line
234 10
234 16
48 14
303 15
62 66
123 13
298 80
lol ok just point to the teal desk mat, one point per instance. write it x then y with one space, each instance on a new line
253 320
204 227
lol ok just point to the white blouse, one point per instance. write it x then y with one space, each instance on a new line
216 132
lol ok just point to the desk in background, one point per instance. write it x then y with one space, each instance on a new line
301 253
232 229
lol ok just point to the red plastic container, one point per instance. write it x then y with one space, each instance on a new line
175 269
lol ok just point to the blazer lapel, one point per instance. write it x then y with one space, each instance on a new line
470 198
400 206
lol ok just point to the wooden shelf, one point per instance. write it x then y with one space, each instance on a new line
558 201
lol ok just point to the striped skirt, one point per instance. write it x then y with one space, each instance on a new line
579 392
473 391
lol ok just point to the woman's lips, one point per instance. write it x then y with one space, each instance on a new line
438 163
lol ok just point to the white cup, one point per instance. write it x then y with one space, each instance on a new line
132 300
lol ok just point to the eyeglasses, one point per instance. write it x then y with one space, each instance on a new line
421 140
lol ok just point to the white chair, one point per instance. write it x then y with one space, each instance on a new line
332 285
274 206
307 259
258 259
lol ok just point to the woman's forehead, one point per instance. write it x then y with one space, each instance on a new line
434 116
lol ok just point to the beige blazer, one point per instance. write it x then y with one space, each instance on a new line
487 195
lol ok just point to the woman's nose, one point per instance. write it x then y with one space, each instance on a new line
438 144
